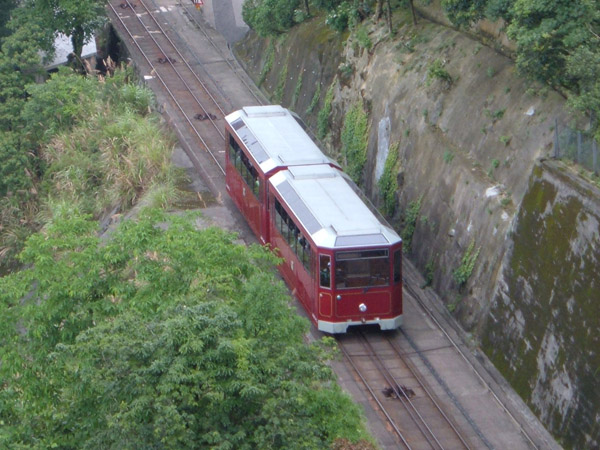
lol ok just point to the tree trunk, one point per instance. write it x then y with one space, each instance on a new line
77 40
307 7
412 10
389 16
378 9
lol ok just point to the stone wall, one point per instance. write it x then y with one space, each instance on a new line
544 327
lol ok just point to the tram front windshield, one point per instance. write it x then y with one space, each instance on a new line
362 268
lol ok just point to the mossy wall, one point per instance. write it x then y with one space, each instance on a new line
544 327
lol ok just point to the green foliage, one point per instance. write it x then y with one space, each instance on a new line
448 156
436 71
297 90
410 222
6 6
467 264
269 59
344 16
20 62
323 116
79 19
354 140
429 273
546 31
15 167
269 17
314 102
278 93
59 104
161 337
464 12
362 36
388 182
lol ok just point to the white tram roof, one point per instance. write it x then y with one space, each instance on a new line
323 200
274 137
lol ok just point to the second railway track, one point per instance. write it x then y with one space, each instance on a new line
414 413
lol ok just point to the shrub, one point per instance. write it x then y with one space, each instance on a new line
388 182
323 116
467 264
354 142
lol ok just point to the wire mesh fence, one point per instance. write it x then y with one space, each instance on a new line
577 146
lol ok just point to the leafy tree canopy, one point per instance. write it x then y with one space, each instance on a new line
79 19
269 17
558 42
161 337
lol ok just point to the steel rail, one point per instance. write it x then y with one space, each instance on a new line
164 83
374 397
218 49
411 409
184 60
469 363
429 394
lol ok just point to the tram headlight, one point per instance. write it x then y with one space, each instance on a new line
362 307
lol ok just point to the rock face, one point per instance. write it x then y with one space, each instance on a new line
470 135
543 327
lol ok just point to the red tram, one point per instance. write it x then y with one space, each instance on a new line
341 258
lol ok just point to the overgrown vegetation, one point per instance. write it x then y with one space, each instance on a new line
467 264
388 182
557 42
95 144
268 65
409 224
324 113
314 102
436 71
278 92
162 336
354 140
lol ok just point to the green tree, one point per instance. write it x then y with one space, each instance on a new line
20 63
547 32
269 17
6 7
79 19
162 337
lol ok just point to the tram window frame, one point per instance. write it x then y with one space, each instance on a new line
292 235
325 271
398 266
362 268
243 166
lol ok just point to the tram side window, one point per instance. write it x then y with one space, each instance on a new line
292 234
397 266
325 271
243 166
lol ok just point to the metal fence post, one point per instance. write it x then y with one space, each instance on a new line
556 144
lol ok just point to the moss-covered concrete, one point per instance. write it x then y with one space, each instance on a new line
544 332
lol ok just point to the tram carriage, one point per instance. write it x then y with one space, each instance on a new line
340 257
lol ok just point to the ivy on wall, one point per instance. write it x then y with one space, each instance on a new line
354 141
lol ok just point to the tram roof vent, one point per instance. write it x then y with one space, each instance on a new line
264 111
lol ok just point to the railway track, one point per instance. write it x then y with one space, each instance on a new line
416 416
414 413
190 98
416 299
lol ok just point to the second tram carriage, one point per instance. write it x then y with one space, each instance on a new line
341 258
